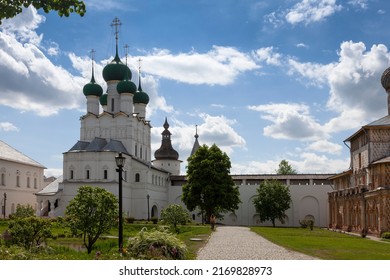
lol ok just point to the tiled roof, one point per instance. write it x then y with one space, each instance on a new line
10 154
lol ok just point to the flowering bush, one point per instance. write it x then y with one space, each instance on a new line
156 244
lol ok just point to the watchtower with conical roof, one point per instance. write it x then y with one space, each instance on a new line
167 157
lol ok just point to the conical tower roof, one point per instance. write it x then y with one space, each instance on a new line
196 143
166 150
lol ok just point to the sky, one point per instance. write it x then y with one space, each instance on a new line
263 80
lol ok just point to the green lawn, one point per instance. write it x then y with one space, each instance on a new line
325 244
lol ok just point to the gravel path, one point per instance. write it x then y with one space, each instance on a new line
240 243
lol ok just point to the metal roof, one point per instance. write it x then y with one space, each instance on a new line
382 122
99 145
10 154
52 188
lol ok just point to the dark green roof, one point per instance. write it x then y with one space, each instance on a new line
116 70
126 86
92 88
141 97
103 99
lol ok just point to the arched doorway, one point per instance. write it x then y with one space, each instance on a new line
154 212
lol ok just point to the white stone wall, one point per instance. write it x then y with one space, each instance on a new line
19 191
307 200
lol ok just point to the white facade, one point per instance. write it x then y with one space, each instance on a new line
20 178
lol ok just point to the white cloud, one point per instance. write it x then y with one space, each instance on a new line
276 19
55 172
7 127
219 66
302 45
30 81
324 146
23 26
355 80
315 73
305 163
268 55
361 4
290 121
53 49
217 130
314 163
308 11
355 92
255 167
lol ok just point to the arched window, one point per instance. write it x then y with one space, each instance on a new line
71 174
137 177
28 182
2 179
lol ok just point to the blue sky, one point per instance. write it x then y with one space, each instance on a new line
264 80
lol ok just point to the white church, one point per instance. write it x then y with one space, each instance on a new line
115 123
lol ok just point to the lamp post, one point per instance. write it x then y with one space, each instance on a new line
120 162
147 197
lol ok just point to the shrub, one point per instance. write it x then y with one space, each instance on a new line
385 235
29 232
156 244
173 215
307 223
23 211
130 220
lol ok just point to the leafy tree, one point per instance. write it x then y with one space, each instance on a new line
174 214
285 168
209 184
92 212
23 211
272 200
30 231
10 8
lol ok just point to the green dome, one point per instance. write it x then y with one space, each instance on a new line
92 88
141 97
103 99
126 86
116 70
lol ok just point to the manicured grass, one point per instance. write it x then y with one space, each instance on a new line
199 232
325 244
